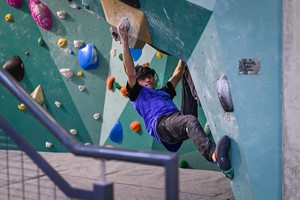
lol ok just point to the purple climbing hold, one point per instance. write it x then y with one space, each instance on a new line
14 3
41 14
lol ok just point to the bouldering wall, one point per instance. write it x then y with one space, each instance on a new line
238 39
45 62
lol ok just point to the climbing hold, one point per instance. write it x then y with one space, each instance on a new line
121 57
62 42
207 129
27 53
109 82
85 5
127 24
38 96
40 14
41 41
21 106
159 54
224 93
61 14
87 57
80 73
135 53
48 145
96 116
114 33
73 131
8 17
71 52
58 104
15 67
78 44
109 146
117 85
116 133
123 90
183 164
81 88
66 72
229 173
136 126
113 52
14 3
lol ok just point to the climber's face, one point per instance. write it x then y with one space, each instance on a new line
147 80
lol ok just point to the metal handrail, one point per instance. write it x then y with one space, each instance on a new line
168 160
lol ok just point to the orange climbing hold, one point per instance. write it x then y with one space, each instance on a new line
109 82
123 91
136 126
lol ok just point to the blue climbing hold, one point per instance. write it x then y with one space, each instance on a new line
135 53
87 57
116 133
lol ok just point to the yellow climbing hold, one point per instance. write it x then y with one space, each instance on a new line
159 54
21 107
8 17
62 42
80 73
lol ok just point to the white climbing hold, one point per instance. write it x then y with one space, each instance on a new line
96 116
113 52
61 14
66 72
73 131
48 145
81 88
87 143
57 103
78 44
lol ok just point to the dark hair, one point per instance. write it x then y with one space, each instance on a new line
142 71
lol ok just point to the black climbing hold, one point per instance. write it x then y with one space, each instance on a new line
15 67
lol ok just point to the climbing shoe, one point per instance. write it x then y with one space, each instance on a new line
223 160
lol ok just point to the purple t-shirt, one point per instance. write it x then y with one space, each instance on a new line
152 104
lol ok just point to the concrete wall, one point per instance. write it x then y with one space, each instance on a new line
291 99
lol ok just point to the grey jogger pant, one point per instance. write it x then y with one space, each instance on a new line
178 127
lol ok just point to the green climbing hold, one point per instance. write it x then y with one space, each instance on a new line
183 164
207 129
117 85
40 41
121 57
229 173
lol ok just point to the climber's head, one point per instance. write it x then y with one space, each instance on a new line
145 76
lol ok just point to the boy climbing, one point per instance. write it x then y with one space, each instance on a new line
162 118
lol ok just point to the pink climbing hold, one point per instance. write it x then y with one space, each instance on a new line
41 14
14 3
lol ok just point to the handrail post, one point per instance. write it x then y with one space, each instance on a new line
172 180
103 190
